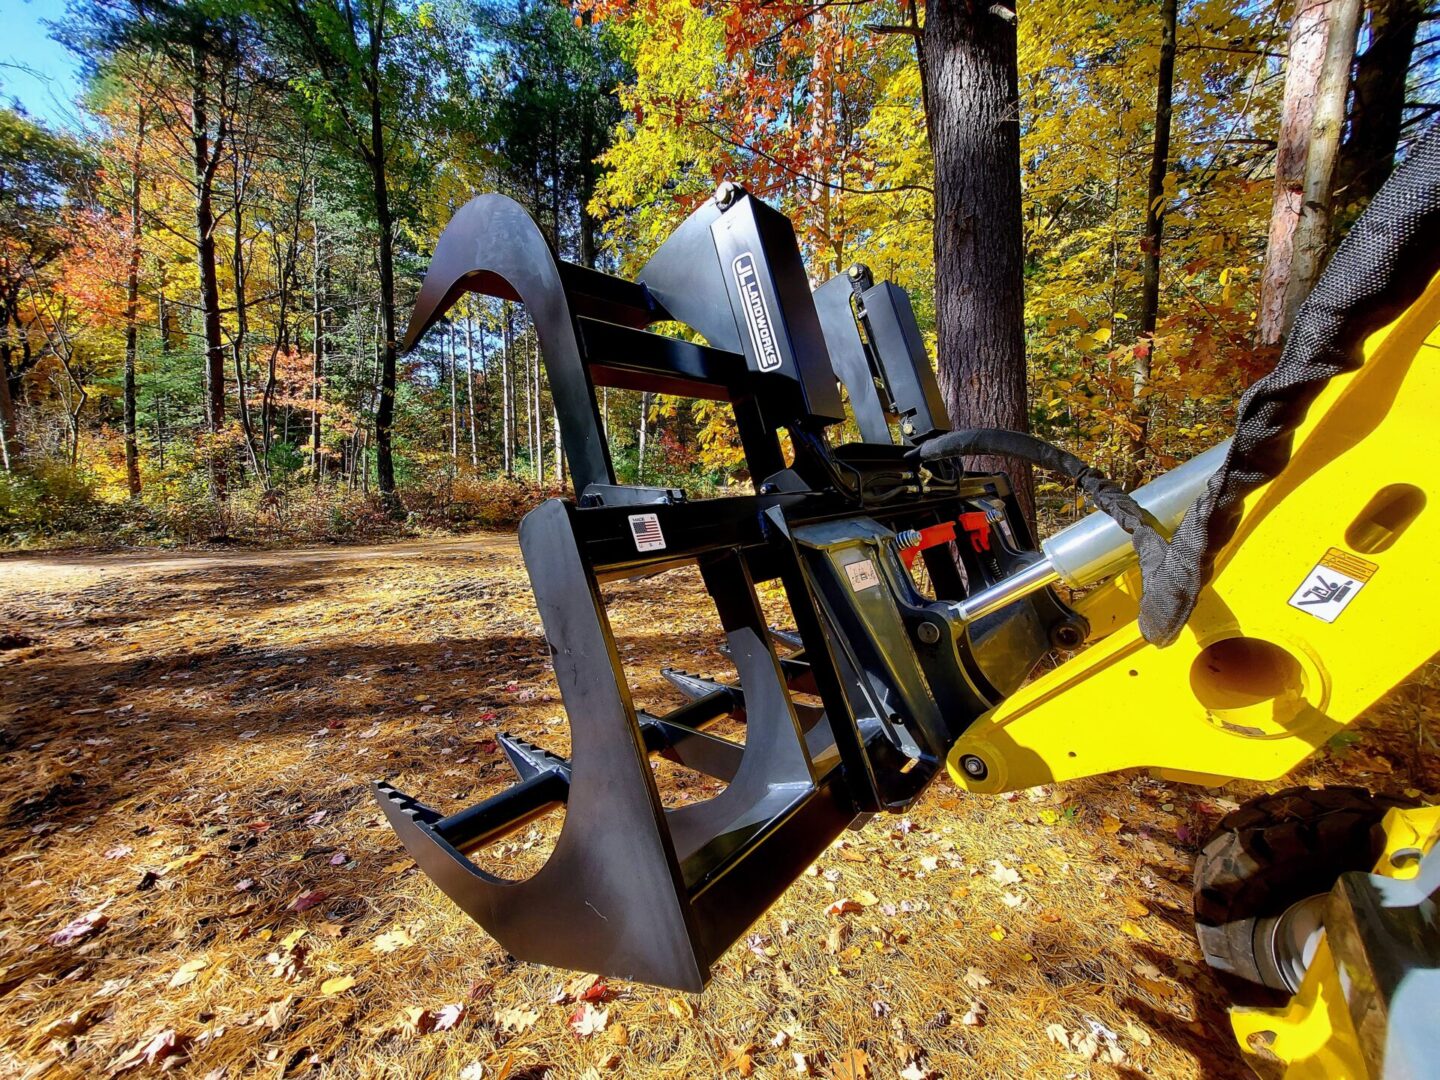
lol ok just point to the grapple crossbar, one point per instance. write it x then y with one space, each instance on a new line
634 889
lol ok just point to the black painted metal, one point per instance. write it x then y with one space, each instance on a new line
634 889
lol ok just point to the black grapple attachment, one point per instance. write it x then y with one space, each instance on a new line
634 889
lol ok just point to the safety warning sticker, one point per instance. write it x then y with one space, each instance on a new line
1336 580
862 575
646 530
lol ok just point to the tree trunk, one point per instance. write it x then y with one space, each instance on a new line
1151 243
204 161
385 411
9 423
506 387
1317 78
640 442
132 311
470 382
317 362
1378 108
454 401
972 90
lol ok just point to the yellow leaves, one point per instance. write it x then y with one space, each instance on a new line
515 1021
1110 825
852 1065
338 985
391 941
680 1008
1134 930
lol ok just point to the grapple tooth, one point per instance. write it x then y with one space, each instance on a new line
529 760
787 637
411 808
694 687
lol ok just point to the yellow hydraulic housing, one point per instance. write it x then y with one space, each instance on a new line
1315 1036
1327 596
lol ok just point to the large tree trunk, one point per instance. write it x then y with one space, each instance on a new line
1378 107
1151 243
972 91
1317 81
204 166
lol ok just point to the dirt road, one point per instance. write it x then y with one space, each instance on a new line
193 871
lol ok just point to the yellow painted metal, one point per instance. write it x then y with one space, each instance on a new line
1255 685
1312 1037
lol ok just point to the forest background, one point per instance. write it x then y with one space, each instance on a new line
205 267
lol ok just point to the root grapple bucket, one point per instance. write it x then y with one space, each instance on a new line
634 889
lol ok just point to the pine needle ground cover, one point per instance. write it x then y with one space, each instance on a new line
193 876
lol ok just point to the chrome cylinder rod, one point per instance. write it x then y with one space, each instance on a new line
1095 547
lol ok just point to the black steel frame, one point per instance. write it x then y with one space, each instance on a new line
634 889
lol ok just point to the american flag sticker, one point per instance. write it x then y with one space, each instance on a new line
646 530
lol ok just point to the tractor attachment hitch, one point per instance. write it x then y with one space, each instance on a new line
850 714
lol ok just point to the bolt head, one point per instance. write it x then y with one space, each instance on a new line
726 193
928 633
974 767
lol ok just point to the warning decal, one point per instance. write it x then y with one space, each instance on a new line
646 530
1336 580
862 575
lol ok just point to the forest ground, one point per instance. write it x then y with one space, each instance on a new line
185 741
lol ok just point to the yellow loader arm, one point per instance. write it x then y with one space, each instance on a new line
1324 599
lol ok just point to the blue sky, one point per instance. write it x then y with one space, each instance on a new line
40 74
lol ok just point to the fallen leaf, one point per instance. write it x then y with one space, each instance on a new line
1128 927
680 1008
317 817
975 979
804 1063
90 923
588 1020
998 934
119 852
1111 824
392 940
1050 817
449 1016
1056 1033
975 1015
852 1065
516 1020
337 985
278 1013
1002 874
741 1059
244 884
1135 909
307 899
188 971
844 906
866 898
185 862
473 1071
152 1050
1137 1033
416 1021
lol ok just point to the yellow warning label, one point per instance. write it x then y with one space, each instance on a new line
1342 562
